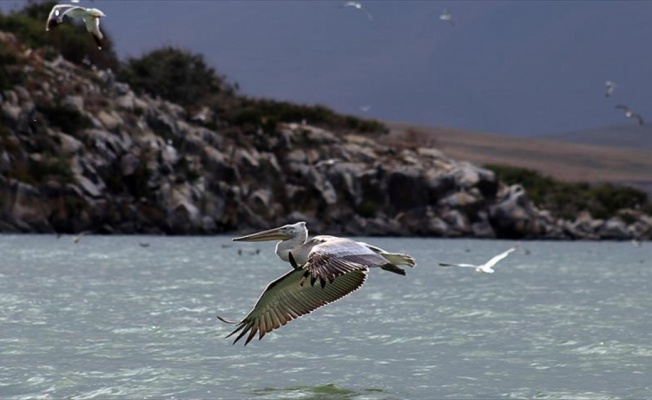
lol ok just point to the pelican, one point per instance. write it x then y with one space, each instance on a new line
339 265
487 267
610 87
631 114
357 6
90 16
447 16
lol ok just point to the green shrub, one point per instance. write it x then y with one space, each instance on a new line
68 119
174 74
567 199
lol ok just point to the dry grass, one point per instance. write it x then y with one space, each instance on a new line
561 160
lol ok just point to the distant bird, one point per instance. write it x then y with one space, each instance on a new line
365 108
143 244
77 238
636 243
90 16
339 265
250 252
487 267
326 163
358 6
631 114
447 16
611 86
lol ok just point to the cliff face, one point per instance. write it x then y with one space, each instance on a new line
81 151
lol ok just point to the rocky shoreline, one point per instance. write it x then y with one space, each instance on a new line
82 152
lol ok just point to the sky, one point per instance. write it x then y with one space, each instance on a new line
521 68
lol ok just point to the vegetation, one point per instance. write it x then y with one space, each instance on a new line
174 74
567 199
268 113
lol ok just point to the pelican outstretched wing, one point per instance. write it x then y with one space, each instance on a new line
333 257
286 299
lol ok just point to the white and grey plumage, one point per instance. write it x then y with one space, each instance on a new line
631 114
447 16
76 239
326 163
357 6
90 16
324 269
487 267
609 88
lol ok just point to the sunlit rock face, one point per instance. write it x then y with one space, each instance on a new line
80 151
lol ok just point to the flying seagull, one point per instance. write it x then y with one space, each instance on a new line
365 108
90 16
487 267
324 269
447 16
77 238
610 87
358 6
631 114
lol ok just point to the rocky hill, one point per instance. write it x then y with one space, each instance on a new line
81 151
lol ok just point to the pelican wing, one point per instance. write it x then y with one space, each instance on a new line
499 257
333 257
286 299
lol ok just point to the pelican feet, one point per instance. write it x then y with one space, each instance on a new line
293 262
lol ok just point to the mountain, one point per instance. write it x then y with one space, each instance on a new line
81 150
629 136
561 159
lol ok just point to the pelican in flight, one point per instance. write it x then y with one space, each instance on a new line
324 269
90 16
631 114
487 267
357 6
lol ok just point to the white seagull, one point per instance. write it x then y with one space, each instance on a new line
487 267
90 16
358 6
631 114
77 238
610 87
447 16
339 266
365 108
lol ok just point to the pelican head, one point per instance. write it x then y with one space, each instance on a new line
285 232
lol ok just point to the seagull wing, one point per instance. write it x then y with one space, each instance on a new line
286 299
333 256
368 14
56 15
93 27
497 258
639 118
457 265
622 107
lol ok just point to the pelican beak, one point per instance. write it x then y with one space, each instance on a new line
271 234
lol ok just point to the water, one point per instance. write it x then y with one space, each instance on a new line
109 318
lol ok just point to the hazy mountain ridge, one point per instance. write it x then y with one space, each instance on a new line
81 151
629 136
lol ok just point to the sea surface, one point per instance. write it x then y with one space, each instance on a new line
134 317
